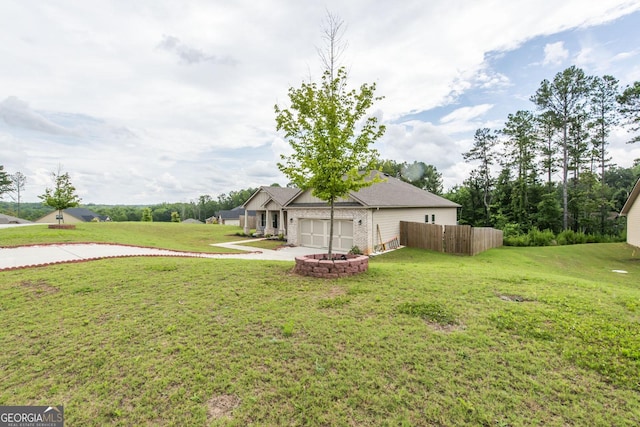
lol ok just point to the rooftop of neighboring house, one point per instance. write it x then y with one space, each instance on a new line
8 219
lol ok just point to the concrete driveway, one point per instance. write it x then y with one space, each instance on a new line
31 256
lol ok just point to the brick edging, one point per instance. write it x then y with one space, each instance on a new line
317 266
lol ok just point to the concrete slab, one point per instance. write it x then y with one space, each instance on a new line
27 256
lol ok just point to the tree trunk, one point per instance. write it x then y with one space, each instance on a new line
330 229
565 176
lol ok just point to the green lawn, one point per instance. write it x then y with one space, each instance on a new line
166 235
513 336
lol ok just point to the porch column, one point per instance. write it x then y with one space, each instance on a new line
267 223
282 224
246 221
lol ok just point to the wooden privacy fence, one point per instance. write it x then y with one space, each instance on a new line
453 239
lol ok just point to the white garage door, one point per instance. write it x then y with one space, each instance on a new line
314 233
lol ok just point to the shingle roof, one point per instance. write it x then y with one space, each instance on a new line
234 213
8 219
81 213
390 193
393 192
281 195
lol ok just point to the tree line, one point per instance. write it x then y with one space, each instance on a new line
62 195
550 168
203 207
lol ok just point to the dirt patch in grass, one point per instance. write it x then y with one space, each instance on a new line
445 327
431 312
514 298
39 288
336 291
222 406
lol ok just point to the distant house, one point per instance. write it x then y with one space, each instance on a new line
631 210
364 218
73 216
8 219
234 216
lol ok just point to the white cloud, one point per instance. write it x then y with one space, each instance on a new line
17 113
465 119
466 113
554 53
423 142
191 55
167 101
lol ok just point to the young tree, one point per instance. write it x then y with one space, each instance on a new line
147 215
330 133
18 182
484 145
470 197
549 213
62 195
629 102
563 99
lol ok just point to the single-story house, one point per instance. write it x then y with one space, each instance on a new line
365 218
631 210
232 216
8 219
73 216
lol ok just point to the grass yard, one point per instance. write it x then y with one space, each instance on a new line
511 337
165 235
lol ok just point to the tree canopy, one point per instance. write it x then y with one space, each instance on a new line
629 102
331 137
331 145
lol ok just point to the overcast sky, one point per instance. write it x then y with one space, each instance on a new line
144 102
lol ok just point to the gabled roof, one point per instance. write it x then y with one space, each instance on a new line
234 213
8 219
632 198
82 213
393 193
280 195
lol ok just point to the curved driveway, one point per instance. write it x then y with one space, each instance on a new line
31 256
